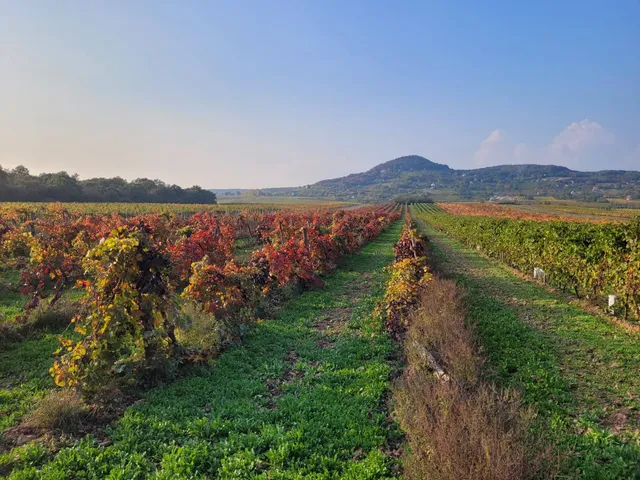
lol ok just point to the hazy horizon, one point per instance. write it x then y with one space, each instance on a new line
262 94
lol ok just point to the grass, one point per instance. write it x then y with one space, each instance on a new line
579 371
25 360
304 397
24 375
12 301
244 248
24 364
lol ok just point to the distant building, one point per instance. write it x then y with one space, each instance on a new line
503 199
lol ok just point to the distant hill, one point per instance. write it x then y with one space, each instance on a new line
413 174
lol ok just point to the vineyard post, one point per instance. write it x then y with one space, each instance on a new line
612 303
305 237
540 274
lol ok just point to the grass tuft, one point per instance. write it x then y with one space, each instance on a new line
59 410
46 317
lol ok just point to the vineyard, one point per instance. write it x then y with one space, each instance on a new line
612 211
33 209
574 365
588 260
130 299
56 249
544 212
263 342
516 212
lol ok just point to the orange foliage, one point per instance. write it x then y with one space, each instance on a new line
499 211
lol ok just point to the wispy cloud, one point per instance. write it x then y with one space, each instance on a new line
493 149
578 138
585 144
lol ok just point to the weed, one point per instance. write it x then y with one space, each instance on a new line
60 409
459 426
455 433
199 331
439 325
45 317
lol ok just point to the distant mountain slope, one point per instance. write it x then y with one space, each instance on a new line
388 171
414 174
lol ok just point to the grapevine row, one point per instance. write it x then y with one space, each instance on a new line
586 259
134 269
409 276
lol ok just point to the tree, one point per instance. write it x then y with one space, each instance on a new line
19 185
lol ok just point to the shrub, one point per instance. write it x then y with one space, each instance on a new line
226 293
408 279
411 244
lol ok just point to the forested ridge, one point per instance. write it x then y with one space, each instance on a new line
19 185
415 175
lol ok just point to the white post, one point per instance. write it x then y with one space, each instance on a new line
540 274
612 303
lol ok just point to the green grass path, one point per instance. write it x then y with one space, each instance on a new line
304 397
580 372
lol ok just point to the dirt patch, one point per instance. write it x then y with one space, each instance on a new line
334 320
622 420
362 286
331 324
325 342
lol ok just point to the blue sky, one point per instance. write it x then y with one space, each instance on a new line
274 93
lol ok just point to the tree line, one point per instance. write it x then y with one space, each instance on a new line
19 185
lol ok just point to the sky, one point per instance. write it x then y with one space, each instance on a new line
250 94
